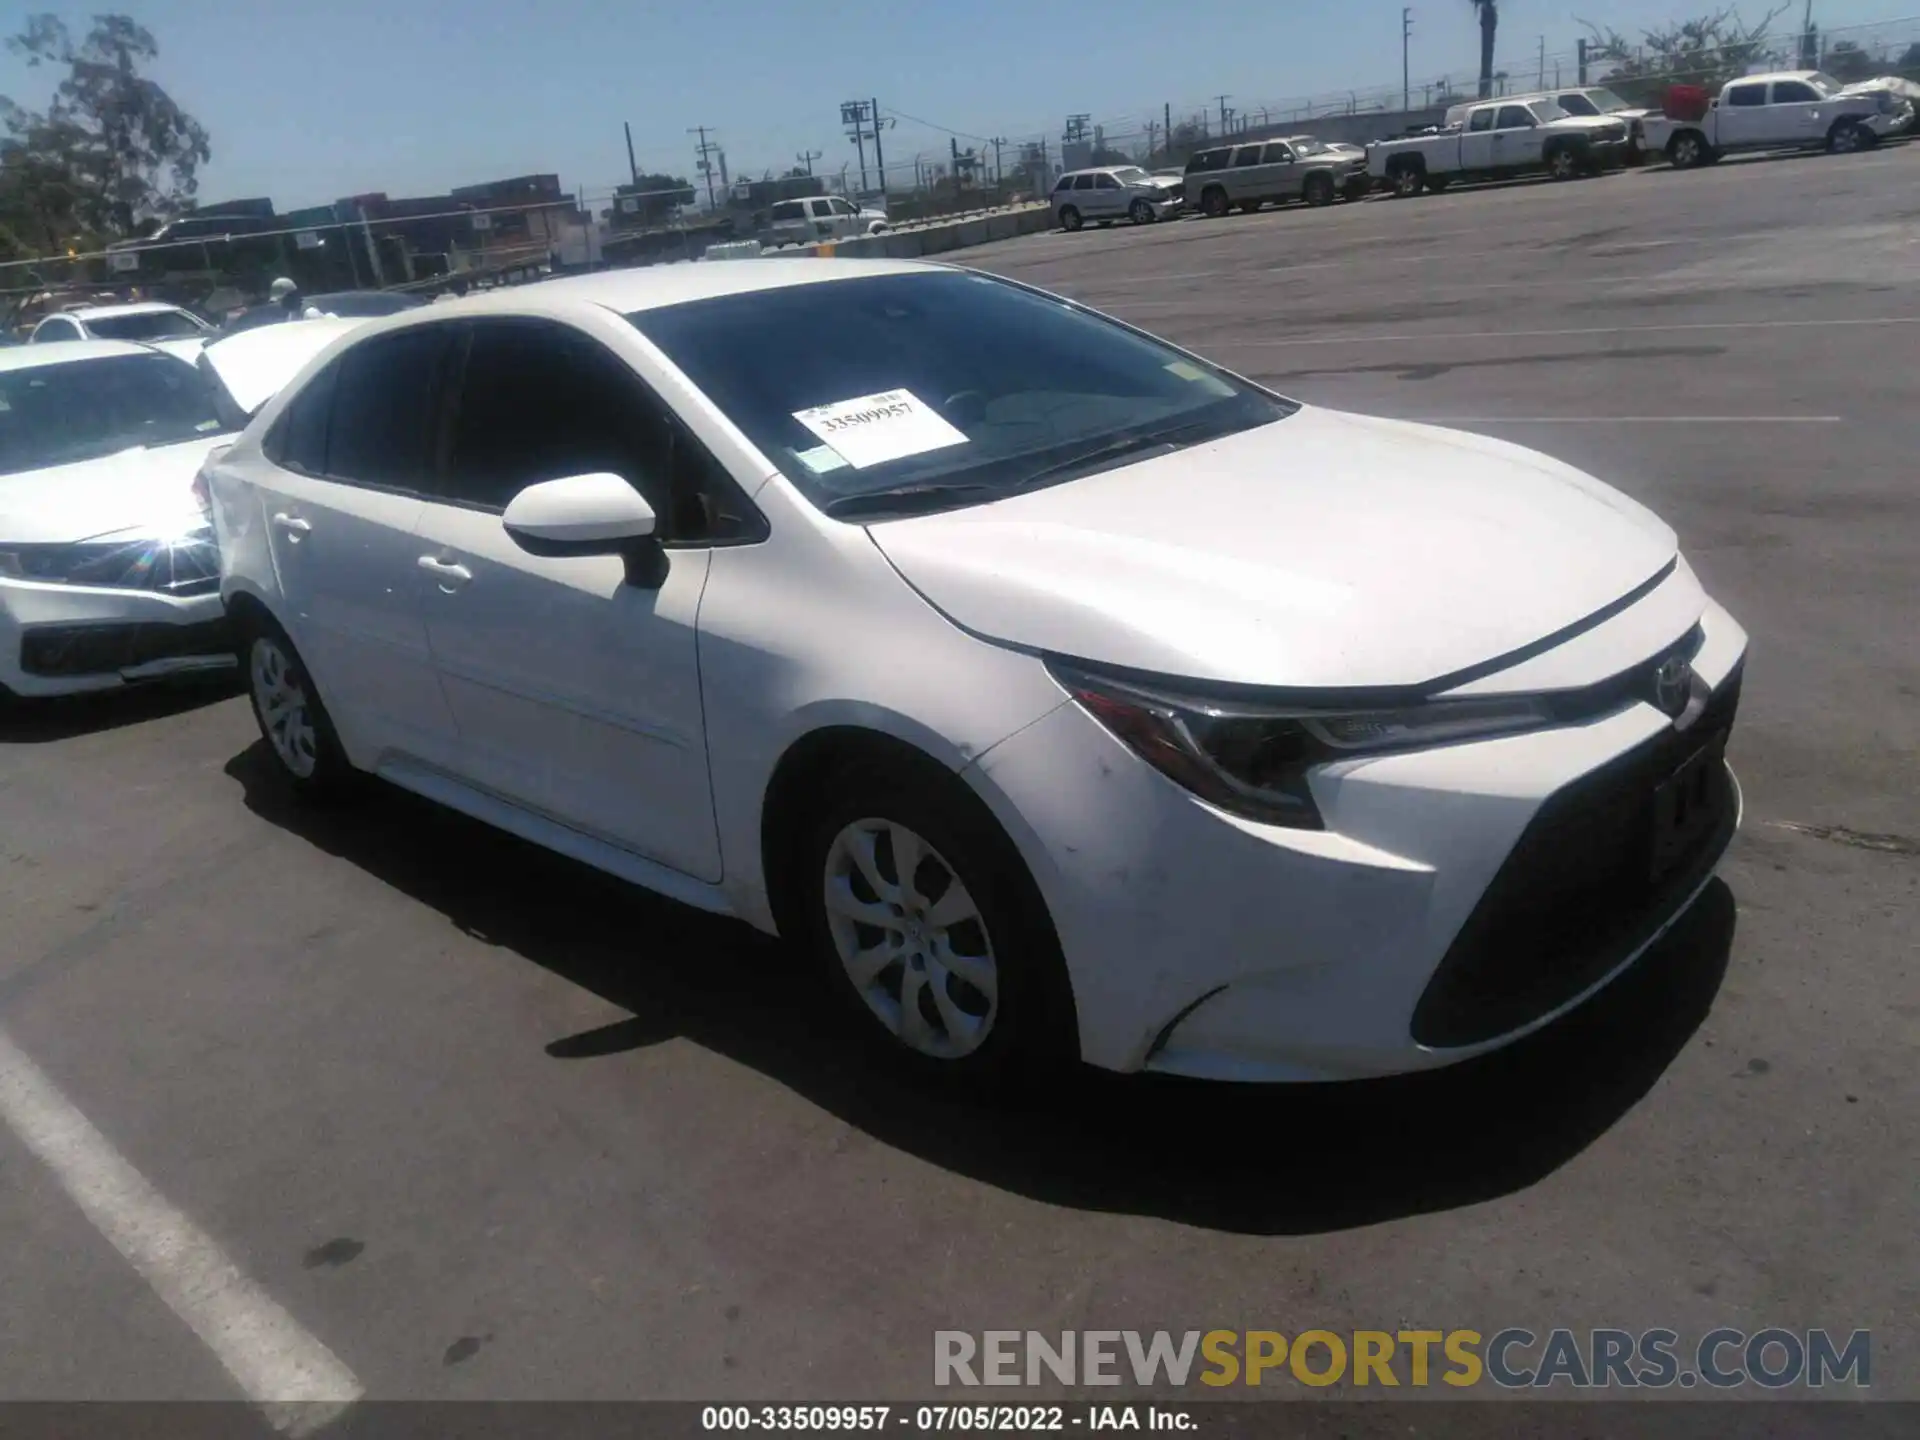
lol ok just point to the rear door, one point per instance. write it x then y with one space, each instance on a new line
349 458
1476 144
1244 175
1743 118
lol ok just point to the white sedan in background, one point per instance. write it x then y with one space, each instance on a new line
165 327
1058 693
108 573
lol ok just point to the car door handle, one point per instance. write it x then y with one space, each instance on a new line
292 525
450 575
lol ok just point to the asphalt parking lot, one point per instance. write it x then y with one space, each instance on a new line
485 1125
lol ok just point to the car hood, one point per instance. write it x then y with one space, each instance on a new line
1587 122
132 490
1324 550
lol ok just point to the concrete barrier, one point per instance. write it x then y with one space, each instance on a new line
911 241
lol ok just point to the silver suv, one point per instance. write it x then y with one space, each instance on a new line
1245 177
1113 192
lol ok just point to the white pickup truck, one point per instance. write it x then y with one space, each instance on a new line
1497 139
1792 109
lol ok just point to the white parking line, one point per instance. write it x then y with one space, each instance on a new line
1226 341
295 1380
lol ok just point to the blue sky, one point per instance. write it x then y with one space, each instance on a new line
308 102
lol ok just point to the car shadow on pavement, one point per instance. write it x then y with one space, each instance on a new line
42 722
1248 1159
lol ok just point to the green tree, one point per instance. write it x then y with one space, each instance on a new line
111 154
1708 51
1847 62
1489 23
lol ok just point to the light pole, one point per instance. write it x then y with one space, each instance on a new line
1406 39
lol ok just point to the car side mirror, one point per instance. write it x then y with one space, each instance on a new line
595 514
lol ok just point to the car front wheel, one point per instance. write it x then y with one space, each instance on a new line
934 936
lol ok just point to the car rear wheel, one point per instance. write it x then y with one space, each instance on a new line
299 733
1069 218
1318 190
934 937
1214 203
1408 181
1686 150
1140 213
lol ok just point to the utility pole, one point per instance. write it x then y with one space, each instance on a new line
807 157
1808 58
705 148
1223 116
1406 41
855 114
999 174
879 163
1541 84
1581 54
632 168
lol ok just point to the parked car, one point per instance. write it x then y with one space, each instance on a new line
1899 90
1795 109
1245 177
1584 100
167 327
821 217
1057 693
1499 139
108 570
1109 193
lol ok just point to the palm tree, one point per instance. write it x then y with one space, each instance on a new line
1489 22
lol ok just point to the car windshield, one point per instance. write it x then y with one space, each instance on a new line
1133 175
1605 101
146 325
1310 147
83 409
1546 111
1825 84
921 391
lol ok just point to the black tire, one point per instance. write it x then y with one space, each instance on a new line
1030 1031
1408 181
1564 163
1688 150
1140 213
1069 218
1318 191
1437 183
325 774
1213 203
1847 137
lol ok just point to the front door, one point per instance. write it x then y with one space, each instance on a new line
1280 172
1109 198
341 502
1796 114
576 693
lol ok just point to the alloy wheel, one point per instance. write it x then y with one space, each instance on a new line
911 939
281 701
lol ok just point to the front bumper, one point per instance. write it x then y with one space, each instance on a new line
1895 122
70 639
1609 154
1428 922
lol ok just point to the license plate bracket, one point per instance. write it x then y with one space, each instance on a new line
1686 807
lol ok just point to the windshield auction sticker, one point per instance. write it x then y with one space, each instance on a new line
873 429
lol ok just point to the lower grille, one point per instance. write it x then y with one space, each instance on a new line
1580 890
55 651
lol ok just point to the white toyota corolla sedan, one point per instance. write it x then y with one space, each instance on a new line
1060 693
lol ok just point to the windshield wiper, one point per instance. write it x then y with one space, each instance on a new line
907 499
1166 441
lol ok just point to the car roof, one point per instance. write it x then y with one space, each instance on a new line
1775 75
652 286
135 307
62 352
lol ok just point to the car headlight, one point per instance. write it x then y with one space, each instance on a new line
183 564
1252 759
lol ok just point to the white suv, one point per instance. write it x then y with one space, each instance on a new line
821 217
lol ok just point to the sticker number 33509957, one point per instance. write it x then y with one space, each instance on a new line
873 429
